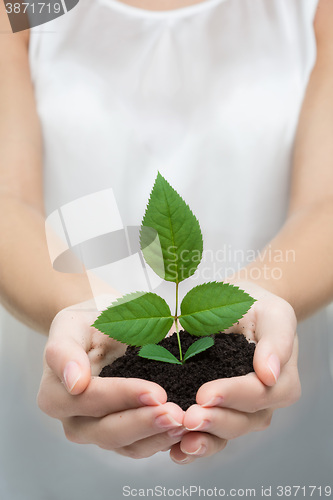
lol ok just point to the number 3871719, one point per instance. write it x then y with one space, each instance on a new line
33 7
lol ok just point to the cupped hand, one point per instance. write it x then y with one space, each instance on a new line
228 408
129 416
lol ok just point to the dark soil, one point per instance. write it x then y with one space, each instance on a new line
231 356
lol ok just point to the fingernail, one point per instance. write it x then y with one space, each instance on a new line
203 425
274 366
72 374
149 400
183 461
215 401
177 432
200 451
166 422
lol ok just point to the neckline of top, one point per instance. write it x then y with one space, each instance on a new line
171 13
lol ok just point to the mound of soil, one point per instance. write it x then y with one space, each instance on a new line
231 356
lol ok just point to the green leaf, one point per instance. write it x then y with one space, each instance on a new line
170 236
199 346
213 307
136 319
158 353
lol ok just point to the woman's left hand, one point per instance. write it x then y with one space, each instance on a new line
228 408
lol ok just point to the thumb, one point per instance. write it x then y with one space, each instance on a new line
69 361
275 332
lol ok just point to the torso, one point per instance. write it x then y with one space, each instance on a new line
156 107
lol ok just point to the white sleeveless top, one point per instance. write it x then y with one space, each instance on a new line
210 96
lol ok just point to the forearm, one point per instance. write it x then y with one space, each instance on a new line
297 264
305 243
29 287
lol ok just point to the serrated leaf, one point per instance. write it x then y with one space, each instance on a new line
136 319
170 236
158 353
213 307
199 346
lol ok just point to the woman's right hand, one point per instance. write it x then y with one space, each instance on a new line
129 416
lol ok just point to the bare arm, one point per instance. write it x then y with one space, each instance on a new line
29 288
307 280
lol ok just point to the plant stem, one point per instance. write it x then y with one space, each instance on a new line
176 320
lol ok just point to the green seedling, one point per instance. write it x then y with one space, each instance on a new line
172 245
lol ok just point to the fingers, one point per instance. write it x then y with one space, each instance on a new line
211 428
67 348
149 446
75 349
249 394
102 396
196 445
122 429
225 423
271 321
246 393
275 332
70 363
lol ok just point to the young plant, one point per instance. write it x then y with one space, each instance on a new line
171 243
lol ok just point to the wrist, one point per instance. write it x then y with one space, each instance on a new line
79 292
261 276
